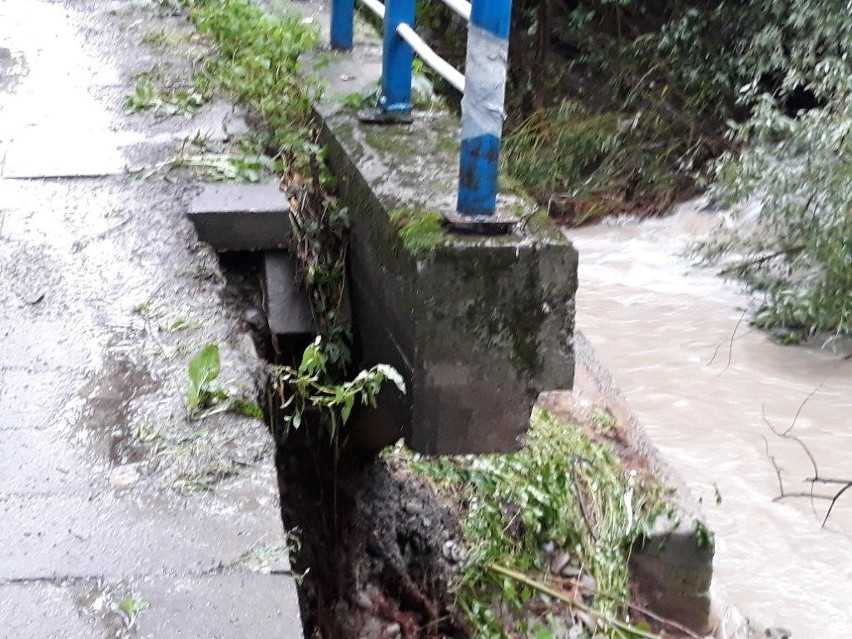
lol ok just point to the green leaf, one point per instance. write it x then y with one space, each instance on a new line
348 403
204 368
393 375
245 407
132 606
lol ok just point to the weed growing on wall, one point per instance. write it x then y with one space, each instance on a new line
334 401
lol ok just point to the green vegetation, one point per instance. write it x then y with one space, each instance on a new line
305 388
130 607
620 106
214 167
565 488
419 230
165 102
796 252
257 62
204 396
202 391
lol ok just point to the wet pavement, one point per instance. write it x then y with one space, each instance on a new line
120 517
705 386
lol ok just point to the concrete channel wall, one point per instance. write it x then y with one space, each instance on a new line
478 325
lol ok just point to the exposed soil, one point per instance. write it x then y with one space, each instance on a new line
376 562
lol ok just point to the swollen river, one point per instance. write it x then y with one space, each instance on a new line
705 386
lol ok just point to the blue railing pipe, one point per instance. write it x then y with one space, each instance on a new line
342 23
482 106
483 85
397 59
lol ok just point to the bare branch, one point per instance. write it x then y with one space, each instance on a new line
812 495
801 407
834 501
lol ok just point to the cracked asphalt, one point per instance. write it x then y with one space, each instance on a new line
119 517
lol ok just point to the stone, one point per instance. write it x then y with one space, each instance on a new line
588 584
559 561
587 620
363 600
124 477
452 551
255 318
287 308
241 217
570 572
672 569
413 507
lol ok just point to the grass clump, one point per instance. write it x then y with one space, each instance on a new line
554 148
564 489
419 230
603 161
258 63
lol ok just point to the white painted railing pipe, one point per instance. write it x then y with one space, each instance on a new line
461 7
376 7
432 59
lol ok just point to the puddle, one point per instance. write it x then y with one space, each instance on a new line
106 421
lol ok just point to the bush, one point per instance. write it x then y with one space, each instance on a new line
796 251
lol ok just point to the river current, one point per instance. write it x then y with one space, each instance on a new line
708 388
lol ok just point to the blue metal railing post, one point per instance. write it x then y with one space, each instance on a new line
482 106
342 23
397 59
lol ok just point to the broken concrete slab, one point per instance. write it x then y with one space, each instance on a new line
673 569
287 308
241 217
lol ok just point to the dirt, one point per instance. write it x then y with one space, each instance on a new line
376 546
380 567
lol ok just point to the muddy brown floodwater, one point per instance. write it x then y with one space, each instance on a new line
700 379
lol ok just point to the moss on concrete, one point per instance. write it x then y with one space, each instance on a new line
540 226
420 230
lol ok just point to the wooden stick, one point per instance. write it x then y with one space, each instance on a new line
561 596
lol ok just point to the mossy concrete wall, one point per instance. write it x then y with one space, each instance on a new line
478 326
